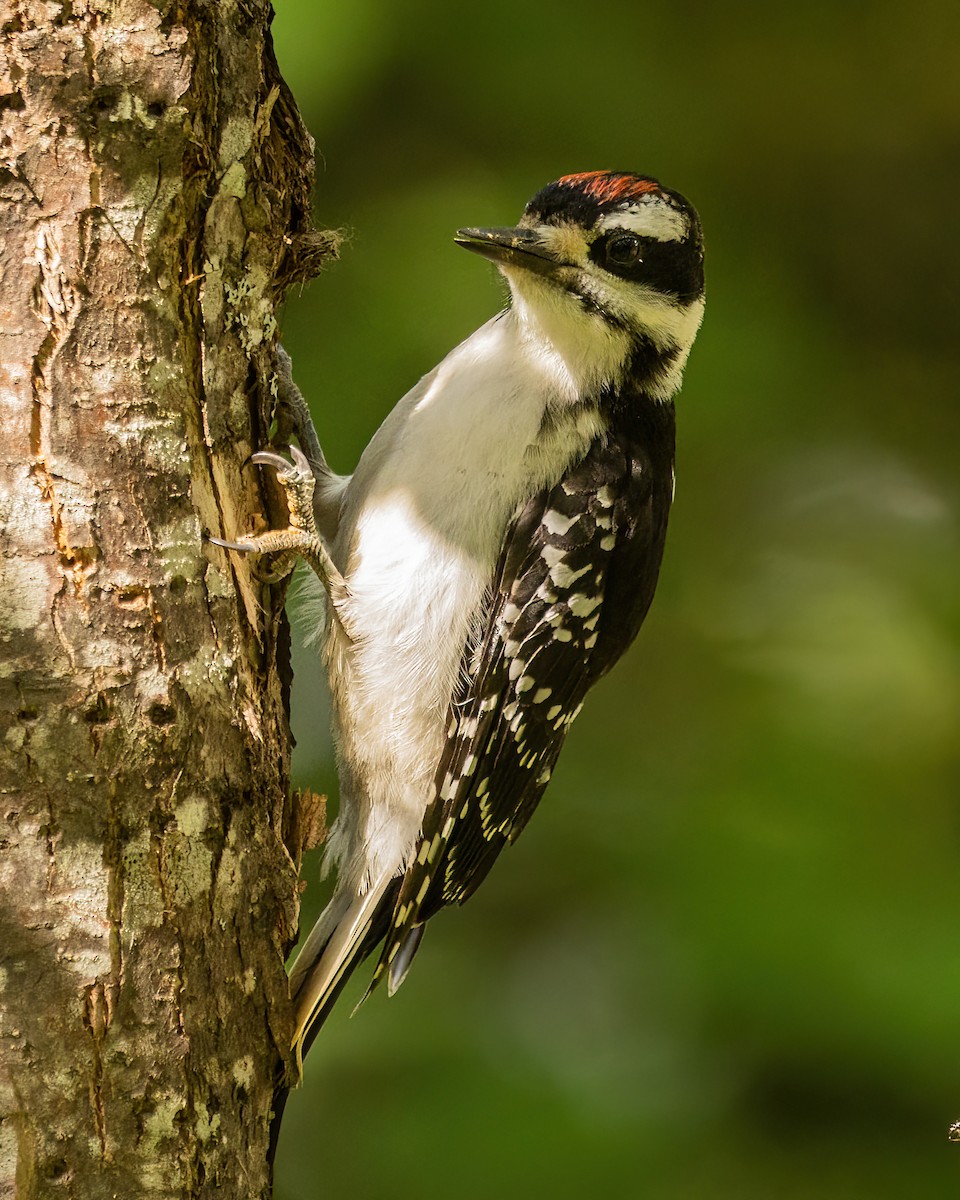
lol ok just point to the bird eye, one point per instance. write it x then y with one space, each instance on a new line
623 250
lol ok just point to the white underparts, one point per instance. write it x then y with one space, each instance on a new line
420 533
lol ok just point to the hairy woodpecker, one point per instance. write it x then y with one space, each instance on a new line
493 555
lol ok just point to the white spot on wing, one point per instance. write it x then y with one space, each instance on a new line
563 577
556 523
583 606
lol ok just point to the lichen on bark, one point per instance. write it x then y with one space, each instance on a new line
155 181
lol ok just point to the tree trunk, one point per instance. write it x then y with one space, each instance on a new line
155 181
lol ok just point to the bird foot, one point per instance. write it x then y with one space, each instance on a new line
300 539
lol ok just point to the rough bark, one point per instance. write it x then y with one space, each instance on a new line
154 190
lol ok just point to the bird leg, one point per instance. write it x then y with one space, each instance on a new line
293 417
301 538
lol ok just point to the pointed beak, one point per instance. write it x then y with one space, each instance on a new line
511 248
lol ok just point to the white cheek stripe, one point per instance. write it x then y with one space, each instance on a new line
651 218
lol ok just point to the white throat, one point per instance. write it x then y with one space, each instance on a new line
583 349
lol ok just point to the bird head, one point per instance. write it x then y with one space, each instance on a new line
607 267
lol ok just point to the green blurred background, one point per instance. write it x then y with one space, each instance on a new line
723 962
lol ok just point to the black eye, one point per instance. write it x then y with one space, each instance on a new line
623 250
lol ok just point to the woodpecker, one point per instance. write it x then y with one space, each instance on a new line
491 558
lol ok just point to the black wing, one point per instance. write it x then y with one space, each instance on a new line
576 576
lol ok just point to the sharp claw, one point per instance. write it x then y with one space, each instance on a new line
270 459
300 460
247 546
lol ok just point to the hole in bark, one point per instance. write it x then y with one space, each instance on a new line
161 714
15 25
28 714
12 102
105 99
57 1169
98 712
156 108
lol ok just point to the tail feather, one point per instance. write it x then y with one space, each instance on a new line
311 950
347 931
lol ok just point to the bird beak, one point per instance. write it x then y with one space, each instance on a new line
511 248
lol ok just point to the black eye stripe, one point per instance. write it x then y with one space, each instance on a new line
674 268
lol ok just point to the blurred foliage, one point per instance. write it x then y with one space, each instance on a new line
723 962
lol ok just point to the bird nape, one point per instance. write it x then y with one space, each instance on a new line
492 556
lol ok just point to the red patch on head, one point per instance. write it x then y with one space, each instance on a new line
610 187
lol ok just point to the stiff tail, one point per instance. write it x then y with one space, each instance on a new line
346 932
348 929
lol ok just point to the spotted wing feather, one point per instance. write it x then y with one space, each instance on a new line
550 634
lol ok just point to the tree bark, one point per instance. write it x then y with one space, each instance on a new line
154 196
